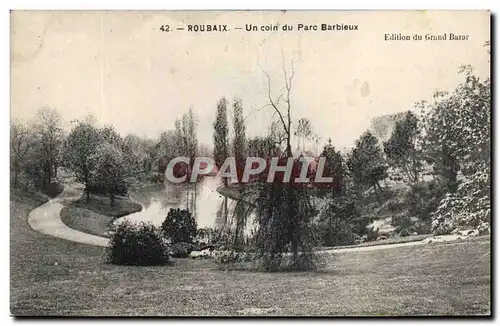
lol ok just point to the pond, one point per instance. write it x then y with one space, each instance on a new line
202 199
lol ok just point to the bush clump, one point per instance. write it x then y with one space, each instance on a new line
136 244
180 249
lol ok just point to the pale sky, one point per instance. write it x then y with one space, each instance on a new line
119 67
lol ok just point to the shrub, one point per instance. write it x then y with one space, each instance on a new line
207 235
179 226
180 249
469 207
136 244
406 225
424 198
339 223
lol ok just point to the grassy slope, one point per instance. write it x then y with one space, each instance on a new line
432 279
94 217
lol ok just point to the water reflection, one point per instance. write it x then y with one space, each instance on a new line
210 208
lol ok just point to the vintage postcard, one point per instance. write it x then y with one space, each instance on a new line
250 163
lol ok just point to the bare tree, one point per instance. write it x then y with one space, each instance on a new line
281 104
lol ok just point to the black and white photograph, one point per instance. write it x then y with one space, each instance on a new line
247 163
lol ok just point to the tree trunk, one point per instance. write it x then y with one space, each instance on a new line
88 195
376 192
16 178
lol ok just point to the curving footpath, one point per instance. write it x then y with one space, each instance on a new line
47 218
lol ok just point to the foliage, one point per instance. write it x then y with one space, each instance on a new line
221 133
401 149
366 162
239 142
50 135
78 150
423 198
132 244
457 138
339 223
138 153
108 175
207 235
263 147
284 215
180 249
21 141
382 126
336 167
179 226
109 135
35 148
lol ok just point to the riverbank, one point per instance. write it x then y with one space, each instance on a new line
95 216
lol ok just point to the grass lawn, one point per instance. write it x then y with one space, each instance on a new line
431 279
94 217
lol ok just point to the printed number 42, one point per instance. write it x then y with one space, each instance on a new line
165 28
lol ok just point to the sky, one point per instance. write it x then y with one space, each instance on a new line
121 68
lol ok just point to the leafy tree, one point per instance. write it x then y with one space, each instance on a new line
458 138
50 135
340 222
109 135
264 147
78 150
138 153
239 149
108 173
179 226
335 167
366 162
21 140
401 149
221 134
239 141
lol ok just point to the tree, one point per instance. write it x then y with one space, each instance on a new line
179 226
21 140
239 150
50 133
264 147
109 135
108 173
191 138
458 138
366 162
382 126
283 211
401 148
78 150
335 167
137 153
221 134
303 131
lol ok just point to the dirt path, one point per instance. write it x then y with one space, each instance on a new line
47 218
